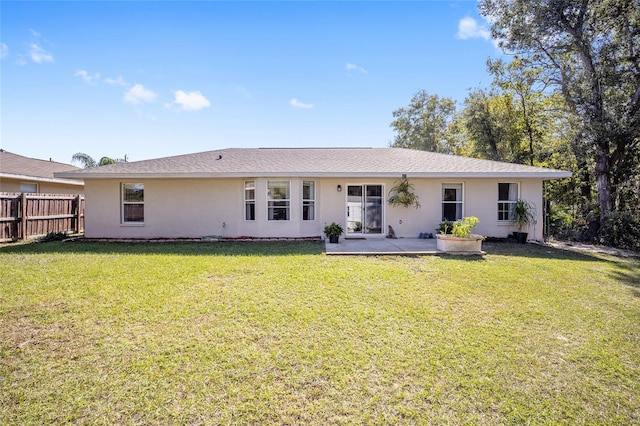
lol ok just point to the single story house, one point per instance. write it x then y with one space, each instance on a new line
24 174
295 192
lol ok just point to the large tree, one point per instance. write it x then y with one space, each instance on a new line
530 100
590 52
424 124
491 124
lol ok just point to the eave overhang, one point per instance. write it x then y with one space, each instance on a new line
58 179
545 175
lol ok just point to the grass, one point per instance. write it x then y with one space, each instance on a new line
279 333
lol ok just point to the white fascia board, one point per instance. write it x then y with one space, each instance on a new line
42 179
496 175
552 174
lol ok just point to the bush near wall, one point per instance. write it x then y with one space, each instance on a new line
623 230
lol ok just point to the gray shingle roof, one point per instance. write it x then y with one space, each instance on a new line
16 165
314 162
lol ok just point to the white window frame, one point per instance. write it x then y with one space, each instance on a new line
457 186
249 185
505 207
31 185
285 202
309 202
124 203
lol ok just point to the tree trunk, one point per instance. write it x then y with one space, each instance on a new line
493 143
528 126
603 181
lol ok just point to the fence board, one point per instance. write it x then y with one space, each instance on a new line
25 215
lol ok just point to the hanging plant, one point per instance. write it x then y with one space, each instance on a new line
403 195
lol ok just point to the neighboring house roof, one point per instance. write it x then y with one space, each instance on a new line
314 162
14 166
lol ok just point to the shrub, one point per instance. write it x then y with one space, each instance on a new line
445 227
622 229
460 228
54 236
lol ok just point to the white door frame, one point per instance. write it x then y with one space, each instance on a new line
351 230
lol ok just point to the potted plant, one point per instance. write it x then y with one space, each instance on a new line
404 195
522 214
333 232
456 237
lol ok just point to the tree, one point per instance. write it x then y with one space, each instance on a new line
490 121
590 52
525 85
424 124
87 162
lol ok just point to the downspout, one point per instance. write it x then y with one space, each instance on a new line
545 212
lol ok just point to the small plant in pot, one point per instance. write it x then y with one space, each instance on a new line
333 232
522 215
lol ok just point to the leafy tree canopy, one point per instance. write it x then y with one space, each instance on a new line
424 123
87 162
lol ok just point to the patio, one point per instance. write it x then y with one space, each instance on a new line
376 246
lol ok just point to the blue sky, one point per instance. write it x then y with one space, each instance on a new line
153 79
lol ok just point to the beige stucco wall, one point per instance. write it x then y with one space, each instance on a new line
13 185
199 207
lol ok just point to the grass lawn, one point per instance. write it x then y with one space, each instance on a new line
280 333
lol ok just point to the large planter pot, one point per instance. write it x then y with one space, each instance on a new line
334 238
521 237
467 245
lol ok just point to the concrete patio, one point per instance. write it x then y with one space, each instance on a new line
382 246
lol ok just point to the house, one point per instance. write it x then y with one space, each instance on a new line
295 192
24 174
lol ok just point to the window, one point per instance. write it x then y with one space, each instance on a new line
30 188
507 196
278 199
451 201
250 200
132 203
308 200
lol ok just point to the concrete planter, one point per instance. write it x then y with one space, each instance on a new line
467 245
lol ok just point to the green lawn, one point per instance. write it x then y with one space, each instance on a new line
280 333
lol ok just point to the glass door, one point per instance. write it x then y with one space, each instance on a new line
364 209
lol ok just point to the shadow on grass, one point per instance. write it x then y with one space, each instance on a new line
629 274
627 270
531 251
230 248
536 251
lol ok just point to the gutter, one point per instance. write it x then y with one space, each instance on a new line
72 181
394 175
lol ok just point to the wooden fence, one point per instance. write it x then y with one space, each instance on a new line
24 215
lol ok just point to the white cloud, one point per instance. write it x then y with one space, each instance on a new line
4 50
116 81
38 54
191 101
84 75
353 67
297 104
469 28
138 94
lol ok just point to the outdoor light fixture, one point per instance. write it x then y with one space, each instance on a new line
339 188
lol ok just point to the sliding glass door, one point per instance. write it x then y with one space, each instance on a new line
364 209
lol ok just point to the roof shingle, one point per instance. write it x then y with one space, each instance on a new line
14 164
315 162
